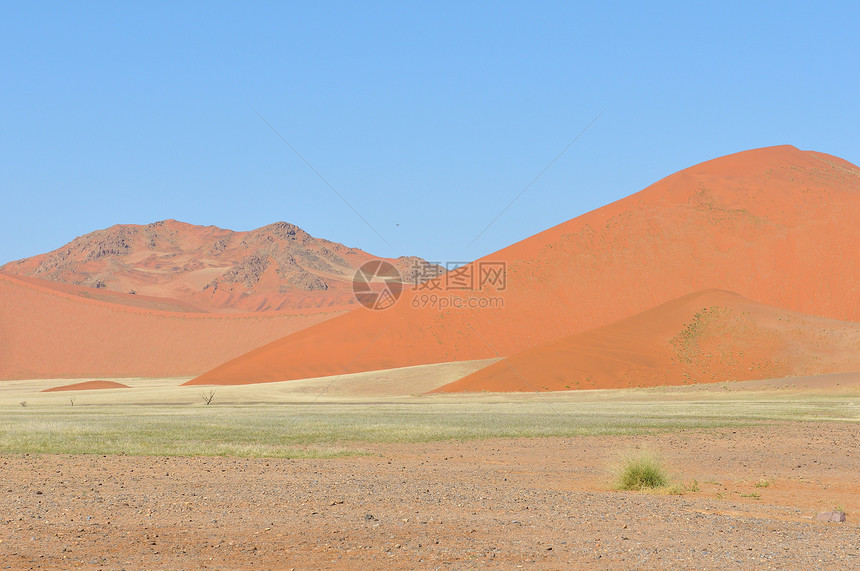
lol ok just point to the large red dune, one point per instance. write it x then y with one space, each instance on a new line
48 331
776 225
87 386
704 337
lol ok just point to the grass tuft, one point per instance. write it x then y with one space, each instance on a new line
674 490
641 471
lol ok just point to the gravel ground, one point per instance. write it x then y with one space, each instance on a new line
540 503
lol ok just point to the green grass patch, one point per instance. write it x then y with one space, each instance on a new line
307 430
340 429
641 471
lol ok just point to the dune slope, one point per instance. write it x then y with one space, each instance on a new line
87 386
709 336
50 332
776 225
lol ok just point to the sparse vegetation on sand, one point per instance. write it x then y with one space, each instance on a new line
255 429
304 430
310 419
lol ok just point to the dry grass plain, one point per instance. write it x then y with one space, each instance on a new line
364 470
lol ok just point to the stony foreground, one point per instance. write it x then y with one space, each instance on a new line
540 503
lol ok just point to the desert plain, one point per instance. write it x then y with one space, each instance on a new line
351 472
176 396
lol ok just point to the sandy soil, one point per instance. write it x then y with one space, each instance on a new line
770 224
404 385
392 385
542 503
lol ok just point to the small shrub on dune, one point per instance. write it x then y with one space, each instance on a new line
641 471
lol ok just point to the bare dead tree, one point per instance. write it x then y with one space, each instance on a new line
72 400
207 397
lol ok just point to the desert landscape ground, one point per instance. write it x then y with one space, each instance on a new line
356 471
179 396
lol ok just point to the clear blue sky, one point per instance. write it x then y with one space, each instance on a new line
430 115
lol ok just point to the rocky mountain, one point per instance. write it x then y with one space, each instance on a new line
276 267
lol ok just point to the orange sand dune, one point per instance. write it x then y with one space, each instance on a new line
705 337
127 299
46 332
87 386
776 225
